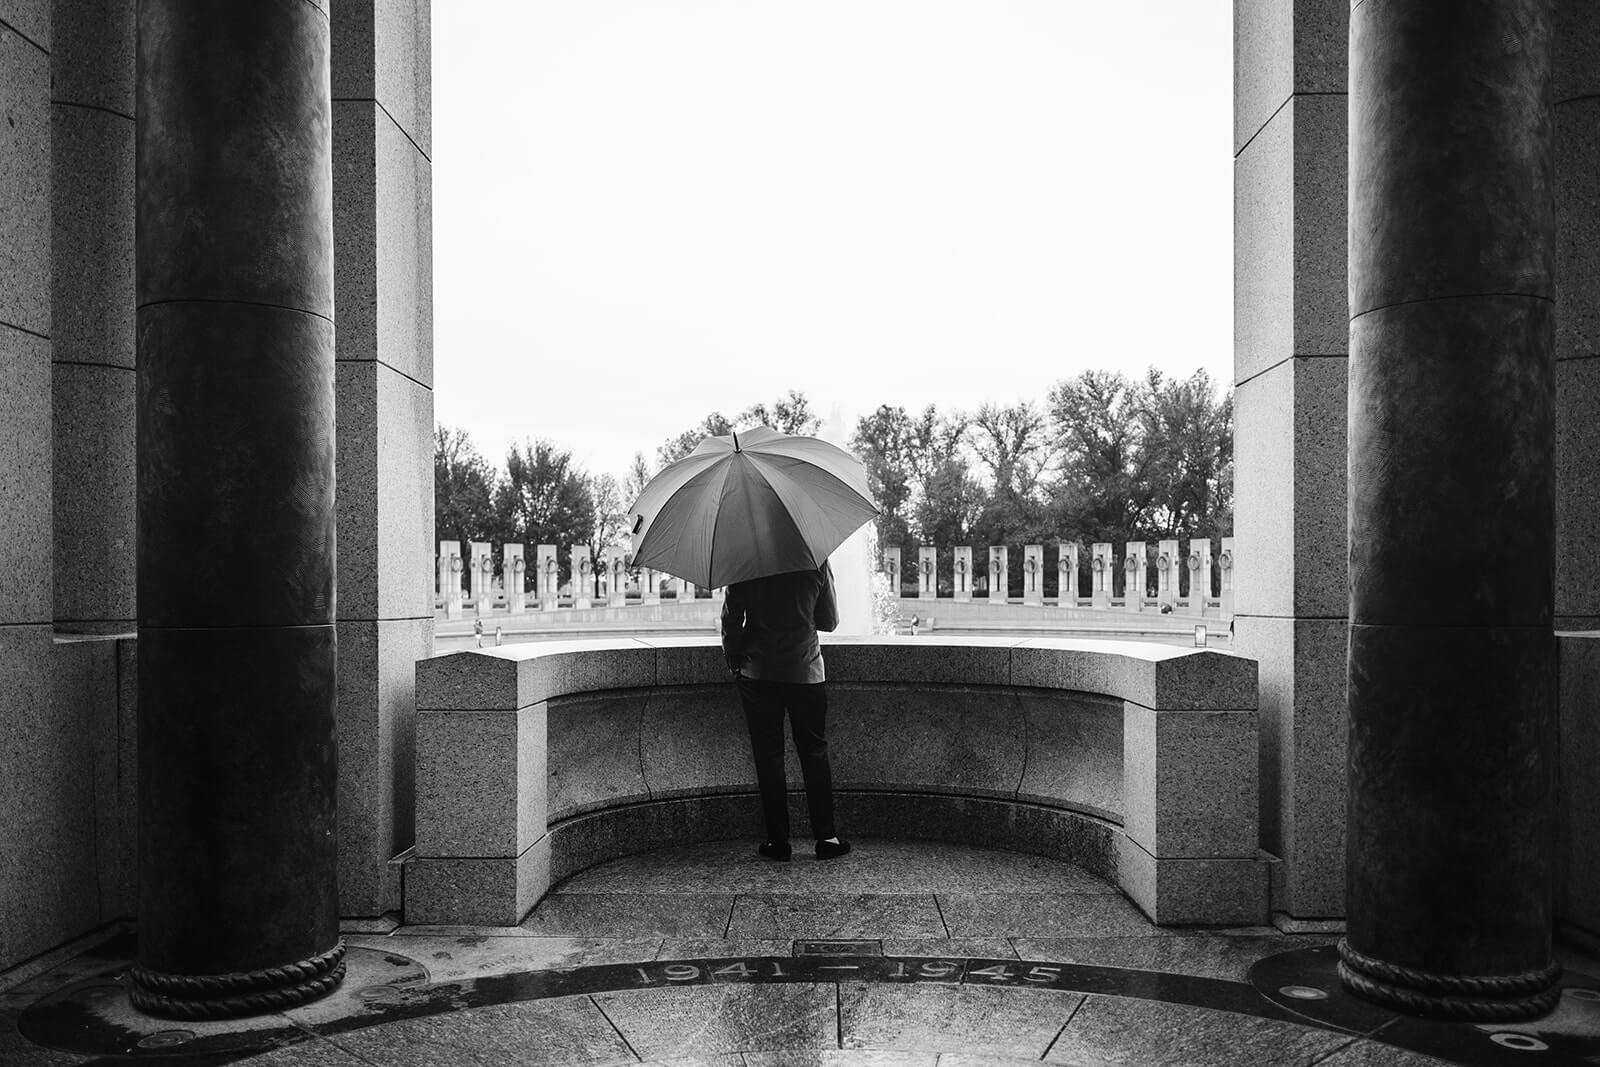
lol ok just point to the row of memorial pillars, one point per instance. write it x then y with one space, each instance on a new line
238 906
1451 684
599 584
1168 564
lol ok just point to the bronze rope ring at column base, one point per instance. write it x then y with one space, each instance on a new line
254 1003
1491 997
206 986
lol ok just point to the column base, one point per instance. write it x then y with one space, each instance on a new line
228 996
1489 998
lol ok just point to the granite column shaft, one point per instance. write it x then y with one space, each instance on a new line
1451 682
238 904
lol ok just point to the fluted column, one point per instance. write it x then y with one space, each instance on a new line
1451 694
237 844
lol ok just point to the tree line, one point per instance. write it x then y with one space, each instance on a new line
1105 457
541 495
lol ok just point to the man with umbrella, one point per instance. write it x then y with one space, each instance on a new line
769 637
759 514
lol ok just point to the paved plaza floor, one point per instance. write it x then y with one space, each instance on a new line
901 954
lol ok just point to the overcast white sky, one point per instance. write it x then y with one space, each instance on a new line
647 210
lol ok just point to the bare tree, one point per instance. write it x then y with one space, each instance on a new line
1013 441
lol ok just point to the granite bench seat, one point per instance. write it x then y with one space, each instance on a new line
1135 761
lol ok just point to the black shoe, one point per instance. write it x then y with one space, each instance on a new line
827 850
776 850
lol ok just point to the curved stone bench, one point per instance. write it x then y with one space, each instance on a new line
1136 761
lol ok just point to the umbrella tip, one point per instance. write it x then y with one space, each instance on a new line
735 439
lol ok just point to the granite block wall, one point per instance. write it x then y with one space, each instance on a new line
1290 355
29 782
1578 805
383 252
93 368
1577 200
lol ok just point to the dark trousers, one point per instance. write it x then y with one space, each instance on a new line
765 704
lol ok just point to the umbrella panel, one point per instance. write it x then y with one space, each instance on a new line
756 534
776 504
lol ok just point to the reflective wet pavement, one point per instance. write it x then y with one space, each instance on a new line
902 953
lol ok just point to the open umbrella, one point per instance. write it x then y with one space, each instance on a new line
750 505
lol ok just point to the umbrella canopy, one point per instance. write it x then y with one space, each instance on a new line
750 505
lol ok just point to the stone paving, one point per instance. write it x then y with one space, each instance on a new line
902 953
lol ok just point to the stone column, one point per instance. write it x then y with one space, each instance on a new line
237 749
891 567
1134 574
1199 574
1033 574
1225 576
548 577
454 568
961 574
1067 564
1449 872
616 574
481 576
1100 564
927 572
999 574
582 576
1167 563
649 587
514 576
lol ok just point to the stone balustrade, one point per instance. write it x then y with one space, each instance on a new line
1191 579
1136 761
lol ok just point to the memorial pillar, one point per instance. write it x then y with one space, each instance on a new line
582 570
614 559
1134 566
999 574
1067 562
891 567
1167 564
961 574
1033 574
513 570
482 577
1449 868
1101 562
1225 577
927 572
1200 574
237 805
548 577
451 563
